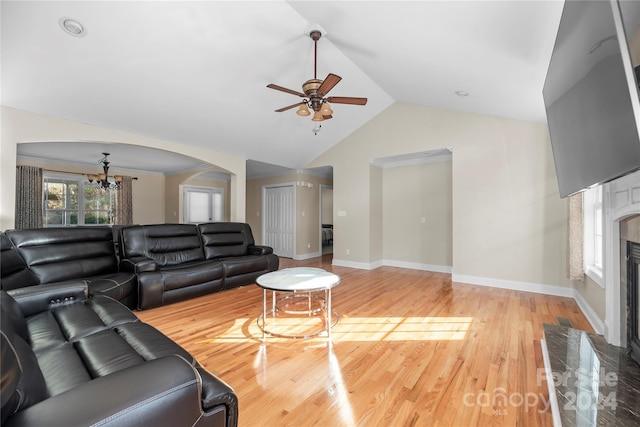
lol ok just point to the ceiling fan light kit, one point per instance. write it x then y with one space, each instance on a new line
314 92
303 110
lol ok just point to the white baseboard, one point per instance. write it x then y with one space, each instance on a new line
417 266
354 264
392 263
514 285
589 313
307 256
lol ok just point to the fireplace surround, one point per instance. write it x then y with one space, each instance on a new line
622 220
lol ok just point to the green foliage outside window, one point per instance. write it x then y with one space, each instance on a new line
70 202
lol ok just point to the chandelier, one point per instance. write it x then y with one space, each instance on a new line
102 178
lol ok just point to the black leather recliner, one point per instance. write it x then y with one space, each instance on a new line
70 360
72 255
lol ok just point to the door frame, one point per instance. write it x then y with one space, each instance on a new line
294 213
322 187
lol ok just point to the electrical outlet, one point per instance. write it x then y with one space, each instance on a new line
348 251
308 245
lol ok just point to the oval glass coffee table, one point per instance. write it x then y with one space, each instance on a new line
302 284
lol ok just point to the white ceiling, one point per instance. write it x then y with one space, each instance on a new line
196 72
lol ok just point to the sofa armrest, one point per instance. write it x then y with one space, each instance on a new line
216 392
160 392
259 250
138 264
39 298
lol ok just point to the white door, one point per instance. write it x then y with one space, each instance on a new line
278 219
202 204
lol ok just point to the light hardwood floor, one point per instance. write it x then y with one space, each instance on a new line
411 348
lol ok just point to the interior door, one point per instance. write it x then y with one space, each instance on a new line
278 219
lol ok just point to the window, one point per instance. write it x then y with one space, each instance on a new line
203 204
71 200
593 235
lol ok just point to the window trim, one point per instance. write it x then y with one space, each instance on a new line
593 201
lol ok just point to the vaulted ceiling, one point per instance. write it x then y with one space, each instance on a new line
196 72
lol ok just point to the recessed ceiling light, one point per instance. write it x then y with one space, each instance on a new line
72 27
461 93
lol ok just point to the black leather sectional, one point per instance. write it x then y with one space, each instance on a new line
71 360
73 353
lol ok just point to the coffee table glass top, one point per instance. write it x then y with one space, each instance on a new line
298 279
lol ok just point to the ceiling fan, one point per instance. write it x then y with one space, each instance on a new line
315 91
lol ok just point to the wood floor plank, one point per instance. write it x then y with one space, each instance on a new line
411 348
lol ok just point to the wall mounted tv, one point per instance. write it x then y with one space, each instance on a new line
591 93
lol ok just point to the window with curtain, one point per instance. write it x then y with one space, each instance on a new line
71 200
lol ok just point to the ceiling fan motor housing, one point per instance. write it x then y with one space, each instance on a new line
310 88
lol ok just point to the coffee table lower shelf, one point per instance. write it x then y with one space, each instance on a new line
293 307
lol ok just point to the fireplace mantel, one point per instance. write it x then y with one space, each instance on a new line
621 201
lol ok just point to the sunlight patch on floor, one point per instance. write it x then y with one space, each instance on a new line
353 329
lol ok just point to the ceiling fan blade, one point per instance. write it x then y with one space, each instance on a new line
284 89
327 117
346 100
328 83
280 110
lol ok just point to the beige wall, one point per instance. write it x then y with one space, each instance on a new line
148 199
593 294
508 221
417 226
307 209
24 127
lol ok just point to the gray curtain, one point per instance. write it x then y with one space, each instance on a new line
29 198
575 248
124 212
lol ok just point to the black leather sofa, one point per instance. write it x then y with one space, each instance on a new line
71 360
173 262
47 256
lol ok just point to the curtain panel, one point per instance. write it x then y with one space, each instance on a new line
575 248
29 197
124 211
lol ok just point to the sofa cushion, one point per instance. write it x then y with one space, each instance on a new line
14 272
244 264
225 239
167 244
59 254
180 276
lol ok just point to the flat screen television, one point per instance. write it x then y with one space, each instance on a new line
591 94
